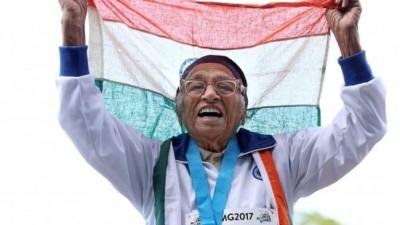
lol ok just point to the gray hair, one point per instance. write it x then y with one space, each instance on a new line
179 102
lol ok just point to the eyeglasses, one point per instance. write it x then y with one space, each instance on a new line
197 88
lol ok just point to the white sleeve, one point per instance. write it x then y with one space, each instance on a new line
125 157
319 157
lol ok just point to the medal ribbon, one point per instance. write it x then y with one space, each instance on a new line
211 210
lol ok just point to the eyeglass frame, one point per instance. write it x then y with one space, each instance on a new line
237 82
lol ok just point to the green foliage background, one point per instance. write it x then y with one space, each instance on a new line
317 219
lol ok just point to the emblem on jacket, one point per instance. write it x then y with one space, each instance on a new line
264 217
256 173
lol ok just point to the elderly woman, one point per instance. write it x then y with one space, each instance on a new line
218 172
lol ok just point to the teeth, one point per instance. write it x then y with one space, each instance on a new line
209 110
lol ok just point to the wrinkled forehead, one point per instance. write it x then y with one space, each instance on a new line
210 70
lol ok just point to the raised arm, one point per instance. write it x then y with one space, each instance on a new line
318 157
124 156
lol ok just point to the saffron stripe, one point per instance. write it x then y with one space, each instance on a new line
273 3
217 26
280 199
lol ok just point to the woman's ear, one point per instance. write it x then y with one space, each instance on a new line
243 118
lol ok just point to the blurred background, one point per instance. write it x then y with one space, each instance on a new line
43 179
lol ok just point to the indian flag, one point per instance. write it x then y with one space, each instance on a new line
138 48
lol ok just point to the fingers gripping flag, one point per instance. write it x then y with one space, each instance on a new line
138 48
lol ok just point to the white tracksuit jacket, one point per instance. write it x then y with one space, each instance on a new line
306 161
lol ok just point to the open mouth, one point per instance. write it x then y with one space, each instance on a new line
210 112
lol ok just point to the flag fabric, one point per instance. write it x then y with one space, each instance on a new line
138 49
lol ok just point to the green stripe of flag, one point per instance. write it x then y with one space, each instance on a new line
154 115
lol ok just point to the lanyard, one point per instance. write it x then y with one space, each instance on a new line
211 211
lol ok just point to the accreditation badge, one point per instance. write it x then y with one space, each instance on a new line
257 216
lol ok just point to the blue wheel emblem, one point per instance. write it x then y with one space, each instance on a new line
256 173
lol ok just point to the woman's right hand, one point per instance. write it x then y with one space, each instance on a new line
73 21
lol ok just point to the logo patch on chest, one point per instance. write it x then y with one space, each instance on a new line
256 173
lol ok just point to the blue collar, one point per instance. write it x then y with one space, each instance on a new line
248 142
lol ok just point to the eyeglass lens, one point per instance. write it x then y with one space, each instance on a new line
197 87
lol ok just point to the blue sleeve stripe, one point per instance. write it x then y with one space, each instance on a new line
355 69
73 61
